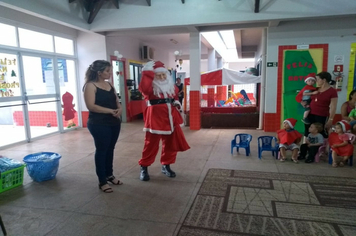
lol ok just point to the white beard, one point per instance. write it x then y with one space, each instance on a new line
165 87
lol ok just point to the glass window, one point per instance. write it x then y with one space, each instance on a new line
63 45
8 33
39 77
68 90
132 74
35 40
135 74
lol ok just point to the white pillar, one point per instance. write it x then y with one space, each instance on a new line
211 60
219 63
263 78
195 55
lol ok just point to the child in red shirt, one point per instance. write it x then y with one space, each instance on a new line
339 143
289 138
303 97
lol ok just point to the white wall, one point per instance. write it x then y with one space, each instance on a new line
259 52
186 66
128 47
91 47
338 33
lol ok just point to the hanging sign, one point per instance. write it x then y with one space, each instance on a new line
272 64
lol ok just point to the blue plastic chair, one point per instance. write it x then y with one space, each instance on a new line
267 143
243 141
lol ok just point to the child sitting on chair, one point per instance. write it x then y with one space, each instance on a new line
339 143
288 139
313 142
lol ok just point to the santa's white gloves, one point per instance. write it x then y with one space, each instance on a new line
178 105
148 66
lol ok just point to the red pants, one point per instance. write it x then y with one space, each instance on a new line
151 147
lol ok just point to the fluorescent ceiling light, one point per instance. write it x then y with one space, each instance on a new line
229 38
245 60
224 43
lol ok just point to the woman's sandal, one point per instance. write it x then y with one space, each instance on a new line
334 164
105 188
114 180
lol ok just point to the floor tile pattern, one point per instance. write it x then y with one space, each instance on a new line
233 202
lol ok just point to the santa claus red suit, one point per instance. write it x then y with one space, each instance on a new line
162 119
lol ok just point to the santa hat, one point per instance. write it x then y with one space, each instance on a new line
291 122
309 77
159 67
345 126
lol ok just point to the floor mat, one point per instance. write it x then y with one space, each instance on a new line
235 202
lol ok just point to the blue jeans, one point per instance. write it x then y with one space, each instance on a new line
105 138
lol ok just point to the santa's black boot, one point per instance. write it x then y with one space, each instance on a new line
144 174
166 169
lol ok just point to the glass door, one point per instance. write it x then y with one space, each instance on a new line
68 93
12 103
42 95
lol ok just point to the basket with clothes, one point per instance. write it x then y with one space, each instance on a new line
11 173
42 166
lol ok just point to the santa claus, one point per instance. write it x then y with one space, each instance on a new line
162 119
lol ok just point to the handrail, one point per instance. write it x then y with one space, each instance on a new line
42 102
22 104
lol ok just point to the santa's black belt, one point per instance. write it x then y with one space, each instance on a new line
161 101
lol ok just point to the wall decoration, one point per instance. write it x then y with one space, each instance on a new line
351 85
293 66
9 83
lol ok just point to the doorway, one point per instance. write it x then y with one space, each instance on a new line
31 96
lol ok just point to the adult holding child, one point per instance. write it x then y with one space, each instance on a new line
322 104
304 96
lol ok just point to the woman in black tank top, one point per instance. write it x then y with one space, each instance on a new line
104 121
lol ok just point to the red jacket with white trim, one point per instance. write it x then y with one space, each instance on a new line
160 118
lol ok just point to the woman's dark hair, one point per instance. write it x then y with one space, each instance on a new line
351 94
325 75
91 75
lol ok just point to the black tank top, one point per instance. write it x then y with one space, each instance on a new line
106 99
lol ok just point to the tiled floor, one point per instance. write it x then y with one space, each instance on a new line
72 204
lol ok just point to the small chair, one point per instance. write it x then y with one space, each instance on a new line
352 138
243 142
267 143
321 150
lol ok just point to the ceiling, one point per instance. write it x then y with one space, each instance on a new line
247 41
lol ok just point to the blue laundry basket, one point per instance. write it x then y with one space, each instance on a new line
42 166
